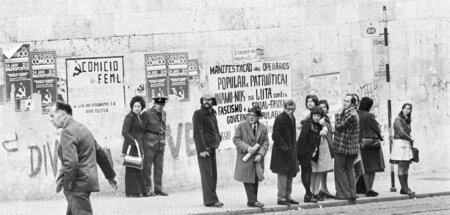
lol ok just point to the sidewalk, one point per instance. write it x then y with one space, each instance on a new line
234 198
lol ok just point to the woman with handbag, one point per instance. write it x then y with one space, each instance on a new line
132 131
370 140
401 153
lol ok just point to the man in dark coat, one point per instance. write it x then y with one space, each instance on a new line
284 154
154 143
78 152
250 171
207 139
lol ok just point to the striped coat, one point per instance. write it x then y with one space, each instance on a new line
346 137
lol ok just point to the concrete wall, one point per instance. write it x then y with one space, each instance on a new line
317 37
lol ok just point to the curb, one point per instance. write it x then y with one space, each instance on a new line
325 204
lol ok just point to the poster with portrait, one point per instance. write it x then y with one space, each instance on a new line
17 74
178 75
156 75
44 81
95 85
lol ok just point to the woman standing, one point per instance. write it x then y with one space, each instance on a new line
325 162
401 148
132 131
370 137
307 149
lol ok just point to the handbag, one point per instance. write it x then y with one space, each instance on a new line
133 161
370 143
415 154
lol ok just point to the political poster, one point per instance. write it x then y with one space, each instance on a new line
193 69
43 73
17 74
247 55
156 75
95 85
240 87
178 75
379 58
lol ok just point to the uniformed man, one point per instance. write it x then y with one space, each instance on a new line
154 141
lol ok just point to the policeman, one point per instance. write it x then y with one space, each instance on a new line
154 141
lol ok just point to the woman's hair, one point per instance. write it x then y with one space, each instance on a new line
137 99
316 110
366 104
314 99
401 115
325 102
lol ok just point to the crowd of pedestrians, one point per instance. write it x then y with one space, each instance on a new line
351 149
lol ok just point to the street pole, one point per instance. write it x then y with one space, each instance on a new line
388 81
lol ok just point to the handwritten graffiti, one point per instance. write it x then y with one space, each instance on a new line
440 86
36 163
189 140
10 145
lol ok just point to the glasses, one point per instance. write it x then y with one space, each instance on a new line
252 114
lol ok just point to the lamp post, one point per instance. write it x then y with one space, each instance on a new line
388 81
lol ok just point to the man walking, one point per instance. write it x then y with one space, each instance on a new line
154 139
346 147
78 152
207 139
284 153
252 143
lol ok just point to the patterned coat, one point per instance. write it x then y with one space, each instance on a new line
346 137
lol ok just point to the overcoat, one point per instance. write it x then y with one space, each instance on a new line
243 138
284 153
132 129
77 153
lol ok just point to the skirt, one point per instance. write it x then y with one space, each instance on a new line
401 151
373 160
325 162
135 181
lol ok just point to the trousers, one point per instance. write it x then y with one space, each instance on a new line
78 202
208 174
344 176
284 184
155 158
251 189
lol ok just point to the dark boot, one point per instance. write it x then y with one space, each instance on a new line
404 188
406 182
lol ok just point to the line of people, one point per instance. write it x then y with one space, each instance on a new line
353 150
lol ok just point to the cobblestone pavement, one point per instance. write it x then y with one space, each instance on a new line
431 205
234 198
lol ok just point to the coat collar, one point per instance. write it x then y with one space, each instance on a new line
135 117
206 111
68 122
287 119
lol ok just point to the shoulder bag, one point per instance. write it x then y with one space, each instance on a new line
370 143
415 154
132 161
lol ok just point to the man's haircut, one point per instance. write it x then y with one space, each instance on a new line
64 107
